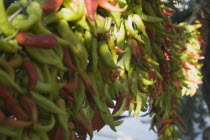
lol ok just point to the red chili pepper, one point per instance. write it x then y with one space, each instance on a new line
119 50
12 106
8 121
59 133
136 49
67 59
65 95
51 5
45 41
29 105
118 104
96 120
108 6
180 122
72 86
116 74
91 6
32 74
167 13
4 92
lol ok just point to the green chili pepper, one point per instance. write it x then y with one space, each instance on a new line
62 119
48 87
16 61
24 23
10 46
13 7
106 56
127 58
8 68
6 80
129 27
121 110
46 57
52 18
45 128
7 131
138 104
76 46
5 27
71 15
47 104
121 36
117 17
43 135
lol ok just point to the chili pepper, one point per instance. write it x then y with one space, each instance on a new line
47 104
127 58
121 109
96 120
46 41
7 132
76 46
12 106
4 93
43 135
73 15
138 104
137 51
10 46
108 6
23 22
91 6
46 56
48 87
8 68
8 121
118 104
29 105
121 36
108 98
82 119
119 50
72 86
94 54
65 95
148 18
106 55
62 119
32 74
5 27
59 133
16 61
166 13
67 60
45 128
111 45
130 29
13 7
51 5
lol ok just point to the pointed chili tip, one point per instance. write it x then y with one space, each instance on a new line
108 6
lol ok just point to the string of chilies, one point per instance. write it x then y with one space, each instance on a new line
63 63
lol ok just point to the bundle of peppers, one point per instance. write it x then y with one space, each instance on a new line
65 63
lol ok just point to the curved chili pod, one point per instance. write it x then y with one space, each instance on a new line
67 59
108 6
30 107
11 122
4 92
91 6
32 74
51 5
45 41
12 106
